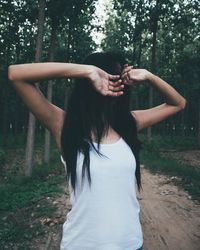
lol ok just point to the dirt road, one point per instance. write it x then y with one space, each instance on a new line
170 219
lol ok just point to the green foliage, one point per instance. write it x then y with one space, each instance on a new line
17 191
156 162
21 198
130 26
189 175
26 201
159 142
21 235
45 210
23 191
73 41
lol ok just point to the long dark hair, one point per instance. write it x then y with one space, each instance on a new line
88 110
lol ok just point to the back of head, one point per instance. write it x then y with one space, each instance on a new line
88 110
96 108
111 62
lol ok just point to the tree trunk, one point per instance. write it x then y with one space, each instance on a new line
16 122
67 93
31 122
6 91
182 128
149 129
47 145
154 20
199 123
5 116
68 58
17 114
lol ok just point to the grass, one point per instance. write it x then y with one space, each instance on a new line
19 141
170 142
25 191
189 175
26 201
18 236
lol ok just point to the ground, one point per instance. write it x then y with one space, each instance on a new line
170 219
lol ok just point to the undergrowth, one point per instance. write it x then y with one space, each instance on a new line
26 201
152 159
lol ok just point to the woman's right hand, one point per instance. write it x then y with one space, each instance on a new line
105 83
132 76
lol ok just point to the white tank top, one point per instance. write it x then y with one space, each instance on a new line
105 217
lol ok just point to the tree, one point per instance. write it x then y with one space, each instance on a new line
31 123
154 35
54 23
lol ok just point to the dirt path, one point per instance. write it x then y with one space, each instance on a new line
170 219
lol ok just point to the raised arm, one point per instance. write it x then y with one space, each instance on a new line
51 116
174 101
33 72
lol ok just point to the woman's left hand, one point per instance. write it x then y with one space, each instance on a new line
104 83
132 76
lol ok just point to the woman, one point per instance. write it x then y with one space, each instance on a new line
98 135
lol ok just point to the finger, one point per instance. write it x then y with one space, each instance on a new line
114 77
119 82
125 76
127 69
131 83
110 93
116 88
126 81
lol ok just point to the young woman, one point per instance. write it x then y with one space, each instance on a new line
98 135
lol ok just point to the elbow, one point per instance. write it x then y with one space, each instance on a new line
10 73
183 104
13 74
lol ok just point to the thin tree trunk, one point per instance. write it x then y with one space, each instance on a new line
31 123
139 52
149 129
69 42
155 18
16 122
6 91
199 123
182 128
136 96
47 145
5 116
67 93
16 116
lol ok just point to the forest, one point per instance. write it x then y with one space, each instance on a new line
162 36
